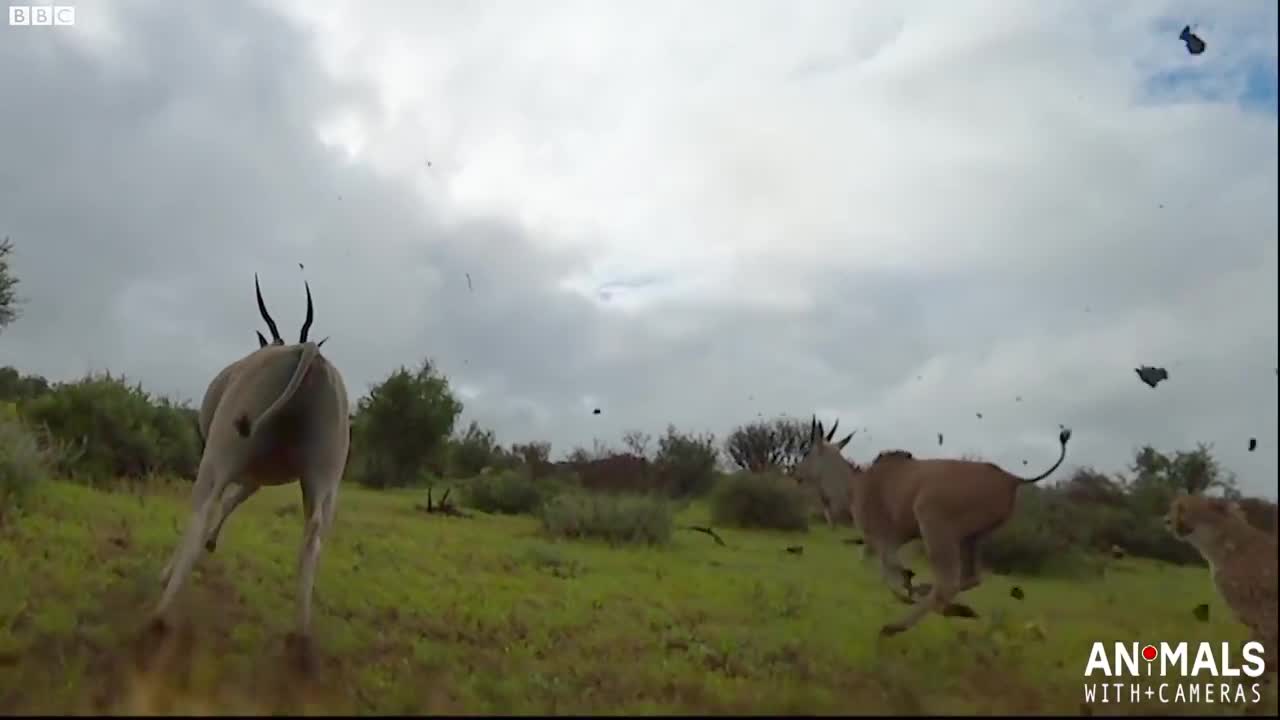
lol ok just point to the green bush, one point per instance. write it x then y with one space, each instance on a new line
1045 535
510 492
476 449
121 430
534 455
760 500
1139 534
23 462
1052 533
686 463
16 387
616 519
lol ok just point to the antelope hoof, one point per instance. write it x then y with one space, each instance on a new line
149 643
891 629
302 657
958 610
158 626
211 544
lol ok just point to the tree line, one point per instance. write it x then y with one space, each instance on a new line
104 430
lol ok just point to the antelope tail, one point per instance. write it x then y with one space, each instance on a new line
1063 437
309 353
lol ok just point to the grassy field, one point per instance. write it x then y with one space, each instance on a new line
429 614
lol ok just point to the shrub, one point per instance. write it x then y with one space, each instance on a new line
534 455
122 431
620 472
616 519
686 463
16 387
1045 535
23 462
510 492
477 449
760 500
1139 534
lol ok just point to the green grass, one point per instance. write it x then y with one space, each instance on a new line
418 613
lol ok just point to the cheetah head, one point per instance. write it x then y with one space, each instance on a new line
1189 514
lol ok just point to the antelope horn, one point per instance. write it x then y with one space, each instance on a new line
310 315
262 308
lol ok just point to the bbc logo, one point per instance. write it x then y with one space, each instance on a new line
42 15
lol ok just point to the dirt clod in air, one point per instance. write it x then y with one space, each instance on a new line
1152 376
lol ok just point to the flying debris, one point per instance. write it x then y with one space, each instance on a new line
300 267
1016 593
1195 45
1201 612
1018 399
596 411
939 438
1024 462
1151 375
979 415
469 282
1253 444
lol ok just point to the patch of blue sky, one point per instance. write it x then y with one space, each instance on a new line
1238 66
1252 86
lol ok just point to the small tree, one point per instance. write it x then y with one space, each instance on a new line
402 423
534 455
637 442
1159 477
686 462
762 445
580 455
1090 487
8 283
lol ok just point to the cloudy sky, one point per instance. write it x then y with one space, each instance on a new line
899 214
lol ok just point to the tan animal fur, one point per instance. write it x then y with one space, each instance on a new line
949 504
276 415
1242 562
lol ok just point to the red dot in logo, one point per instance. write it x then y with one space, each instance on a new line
1149 653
